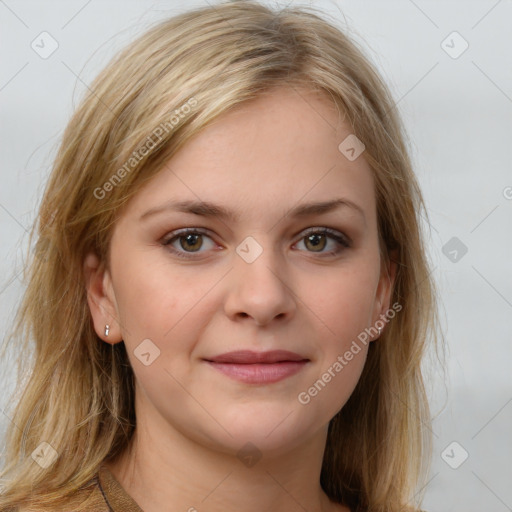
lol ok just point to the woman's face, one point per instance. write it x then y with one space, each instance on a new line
255 279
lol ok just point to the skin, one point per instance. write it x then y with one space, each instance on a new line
260 160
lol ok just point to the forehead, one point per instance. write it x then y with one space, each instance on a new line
273 152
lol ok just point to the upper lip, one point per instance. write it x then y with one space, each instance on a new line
250 357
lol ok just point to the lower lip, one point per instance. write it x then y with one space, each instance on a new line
259 373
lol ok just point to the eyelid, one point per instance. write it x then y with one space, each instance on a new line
334 234
176 234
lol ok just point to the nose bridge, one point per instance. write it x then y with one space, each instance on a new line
258 257
259 263
259 289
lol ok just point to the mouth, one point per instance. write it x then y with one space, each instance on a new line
258 367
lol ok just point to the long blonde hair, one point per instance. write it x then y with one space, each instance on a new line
77 392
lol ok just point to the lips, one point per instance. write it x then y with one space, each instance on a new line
258 367
250 357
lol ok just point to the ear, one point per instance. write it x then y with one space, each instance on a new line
385 288
101 299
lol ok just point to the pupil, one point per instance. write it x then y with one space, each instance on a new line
315 240
314 237
190 238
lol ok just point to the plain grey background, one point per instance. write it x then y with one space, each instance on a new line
449 67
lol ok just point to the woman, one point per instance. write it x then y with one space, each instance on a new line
229 298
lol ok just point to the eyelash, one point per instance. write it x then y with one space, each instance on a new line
334 235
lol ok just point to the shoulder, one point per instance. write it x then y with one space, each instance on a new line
88 499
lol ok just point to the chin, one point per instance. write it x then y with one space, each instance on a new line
270 430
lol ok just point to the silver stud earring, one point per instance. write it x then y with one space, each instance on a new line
380 329
107 329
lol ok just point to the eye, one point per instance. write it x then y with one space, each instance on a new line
186 242
189 240
317 238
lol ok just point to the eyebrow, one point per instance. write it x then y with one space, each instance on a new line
208 209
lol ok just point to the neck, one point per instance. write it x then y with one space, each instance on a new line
162 467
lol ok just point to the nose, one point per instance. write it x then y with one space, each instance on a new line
259 290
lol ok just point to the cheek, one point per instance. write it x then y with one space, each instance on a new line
344 311
152 296
343 303
161 306
336 375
